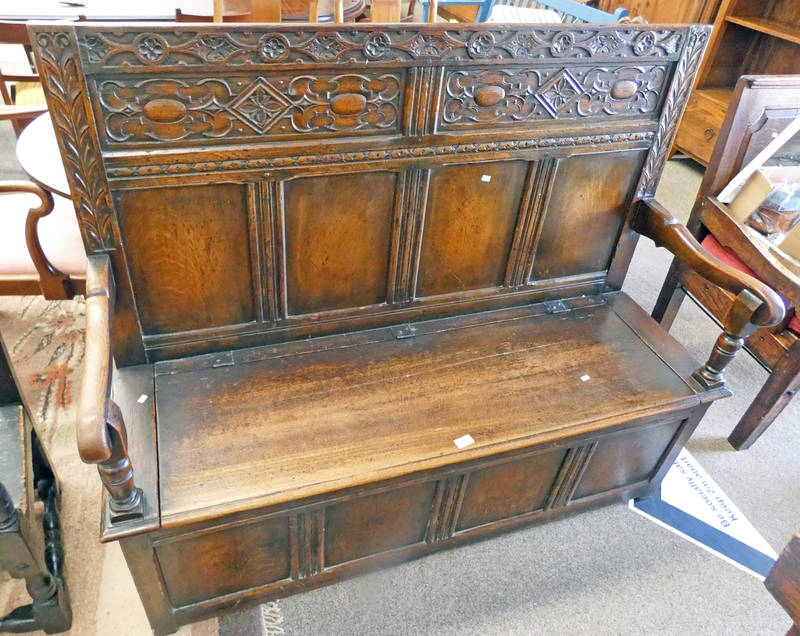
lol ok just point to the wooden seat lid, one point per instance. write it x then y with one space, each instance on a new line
272 424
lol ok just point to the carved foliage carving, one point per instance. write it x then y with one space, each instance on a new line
173 109
677 98
61 76
512 95
188 46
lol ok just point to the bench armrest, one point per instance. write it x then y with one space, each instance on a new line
102 437
756 304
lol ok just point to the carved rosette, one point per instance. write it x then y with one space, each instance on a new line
176 109
678 96
61 76
187 46
512 95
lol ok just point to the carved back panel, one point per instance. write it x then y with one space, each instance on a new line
262 183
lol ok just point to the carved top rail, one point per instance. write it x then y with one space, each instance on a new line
140 49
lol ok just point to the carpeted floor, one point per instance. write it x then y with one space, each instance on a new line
608 571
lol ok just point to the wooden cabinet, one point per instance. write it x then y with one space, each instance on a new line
750 37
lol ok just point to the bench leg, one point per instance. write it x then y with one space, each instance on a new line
777 392
670 297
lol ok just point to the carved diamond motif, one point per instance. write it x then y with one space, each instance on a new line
605 43
523 45
260 105
423 45
558 93
325 47
215 49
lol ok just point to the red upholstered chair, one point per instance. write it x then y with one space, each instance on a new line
760 107
41 251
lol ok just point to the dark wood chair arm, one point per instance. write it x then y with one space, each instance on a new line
102 438
655 222
54 283
756 304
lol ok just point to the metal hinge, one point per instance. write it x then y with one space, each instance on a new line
555 306
404 331
223 360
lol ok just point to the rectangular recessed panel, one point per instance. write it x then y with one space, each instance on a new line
587 208
625 459
224 561
469 225
338 234
509 489
189 255
374 524
188 107
491 98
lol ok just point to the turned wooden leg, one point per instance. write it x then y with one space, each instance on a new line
117 472
777 392
670 297
725 349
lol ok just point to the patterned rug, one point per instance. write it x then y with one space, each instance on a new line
45 341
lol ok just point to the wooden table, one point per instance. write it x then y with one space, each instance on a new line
38 154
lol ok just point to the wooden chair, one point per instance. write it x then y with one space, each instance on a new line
571 12
362 292
38 227
760 107
30 541
783 582
21 93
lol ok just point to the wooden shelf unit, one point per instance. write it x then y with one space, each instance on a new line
750 37
790 32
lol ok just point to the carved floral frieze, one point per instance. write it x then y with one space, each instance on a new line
368 156
514 95
173 109
138 48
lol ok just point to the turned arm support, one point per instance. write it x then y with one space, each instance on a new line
756 304
53 283
102 438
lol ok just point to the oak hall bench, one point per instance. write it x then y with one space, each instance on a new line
361 285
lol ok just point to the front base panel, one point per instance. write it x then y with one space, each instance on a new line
188 573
